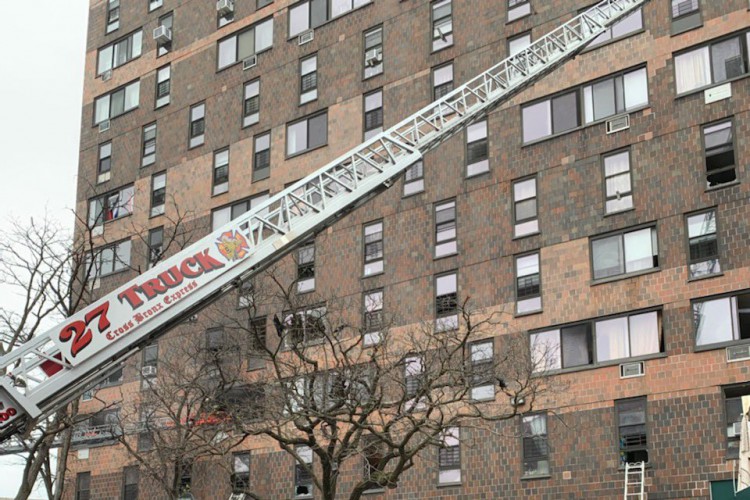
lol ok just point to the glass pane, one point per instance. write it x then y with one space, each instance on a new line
227 51
639 253
318 130
636 88
726 59
644 334
524 190
565 112
137 44
220 217
117 105
339 7
517 44
526 210
607 257
576 345
527 265
545 350
442 75
296 137
604 99
445 284
105 60
692 70
633 22
612 339
701 224
132 95
713 321
245 44
299 19
373 101
537 121
476 131
619 184
617 163
264 35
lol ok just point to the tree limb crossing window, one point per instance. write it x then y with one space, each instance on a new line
303 479
449 456
306 268
535 445
482 370
446 302
373 321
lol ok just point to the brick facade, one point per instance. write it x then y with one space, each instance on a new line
683 385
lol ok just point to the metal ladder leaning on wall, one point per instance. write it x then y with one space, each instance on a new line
52 369
635 481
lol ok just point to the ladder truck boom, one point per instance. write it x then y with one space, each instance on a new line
50 370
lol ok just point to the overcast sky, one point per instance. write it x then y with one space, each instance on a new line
41 85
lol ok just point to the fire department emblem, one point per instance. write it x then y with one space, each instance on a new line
232 245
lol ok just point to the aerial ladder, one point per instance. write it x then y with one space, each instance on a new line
52 369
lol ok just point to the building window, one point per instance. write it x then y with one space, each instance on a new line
373 452
442 24
518 9
154 4
262 3
117 102
306 134
256 342
627 336
373 321
222 19
449 456
535 445
477 157
167 21
158 193
736 402
303 478
240 472
186 477
148 145
312 13
718 145
618 194
446 239
373 114
413 375
373 62
308 72
222 216
149 364
104 166
251 103
215 341
721 320
519 42
83 486
713 63
703 244
155 246
163 85
482 370
686 15
304 327
197 125
446 302
130 483
525 221
120 52
613 95
528 284
110 206
442 80
625 253
630 24
245 43
373 237
114 378
631 429
221 172
414 179
306 268
113 18
262 157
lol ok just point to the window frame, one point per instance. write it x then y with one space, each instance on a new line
685 22
433 27
617 406
739 391
372 336
443 205
111 25
603 161
516 5
104 199
236 35
516 221
365 261
125 483
622 232
451 320
452 432
166 99
166 48
240 481
473 369
148 159
81 493
591 322
304 468
365 112
365 50
725 343
593 45
260 174
717 257
154 4
251 201
155 211
97 262
307 284
220 188
435 87
730 120
743 36
111 93
524 458
467 145
112 44
311 94
200 139
307 120
255 362
250 119
104 175
154 257
517 299
416 181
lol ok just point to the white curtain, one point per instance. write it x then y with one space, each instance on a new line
644 334
692 70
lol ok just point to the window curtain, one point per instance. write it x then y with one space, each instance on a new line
693 70
644 334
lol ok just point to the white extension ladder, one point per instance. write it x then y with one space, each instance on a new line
635 481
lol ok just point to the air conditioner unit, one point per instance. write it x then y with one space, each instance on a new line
107 75
249 62
224 7
618 123
629 370
306 37
517 401
104 126
162 35
373 58
737 428
148 371
237 496
738 353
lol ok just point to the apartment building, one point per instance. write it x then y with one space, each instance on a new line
604 209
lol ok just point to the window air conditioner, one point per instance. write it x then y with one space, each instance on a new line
107 75
104 126
162 35
618 123
306 37
373 58
225 7
249 62
738 353
629 370
148 371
